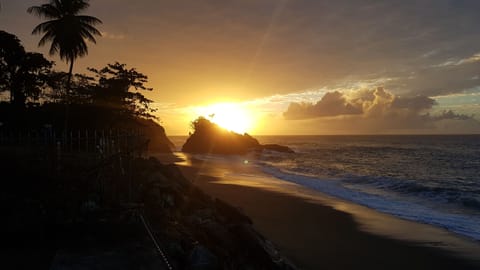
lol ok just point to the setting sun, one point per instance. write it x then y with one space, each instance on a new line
230 116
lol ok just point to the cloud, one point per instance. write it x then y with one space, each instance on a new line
113 36
450 115
452 62
331 104
416 104
273 47
378 111
376 102
472 59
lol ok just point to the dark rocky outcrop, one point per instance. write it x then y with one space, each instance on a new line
82 117
208 137
277 148
158 140
203 232
85 220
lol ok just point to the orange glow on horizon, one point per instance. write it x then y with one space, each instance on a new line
231 116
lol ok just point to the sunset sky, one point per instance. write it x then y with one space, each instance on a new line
295 66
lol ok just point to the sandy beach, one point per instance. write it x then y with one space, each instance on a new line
235 135
313 234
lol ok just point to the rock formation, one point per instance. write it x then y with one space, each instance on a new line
208 137
85 219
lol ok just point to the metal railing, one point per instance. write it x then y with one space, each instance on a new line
103 142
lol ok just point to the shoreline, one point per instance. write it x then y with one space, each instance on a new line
317 231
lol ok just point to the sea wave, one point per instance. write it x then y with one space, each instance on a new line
411 209
461 193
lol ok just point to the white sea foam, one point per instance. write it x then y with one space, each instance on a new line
428 179
466 225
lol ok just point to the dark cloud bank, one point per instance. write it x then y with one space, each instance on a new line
284 46
270 47
380 111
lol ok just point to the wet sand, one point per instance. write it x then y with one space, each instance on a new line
315 235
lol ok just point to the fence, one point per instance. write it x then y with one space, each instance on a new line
100 142
88 165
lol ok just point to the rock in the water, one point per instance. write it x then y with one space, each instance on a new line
277 148
211 138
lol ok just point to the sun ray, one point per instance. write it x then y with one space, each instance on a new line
230 116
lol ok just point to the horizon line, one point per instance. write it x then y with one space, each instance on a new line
354 134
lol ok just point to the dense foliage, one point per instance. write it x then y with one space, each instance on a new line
22 74
30 86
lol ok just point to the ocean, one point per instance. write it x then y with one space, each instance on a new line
427 179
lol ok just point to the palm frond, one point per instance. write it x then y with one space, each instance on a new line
43 27
45 11
80 5
87 35
66 30
55 47
89 20
49 36
92 30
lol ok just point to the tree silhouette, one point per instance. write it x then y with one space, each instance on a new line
11 51
113 90
81 86
22 73
66 29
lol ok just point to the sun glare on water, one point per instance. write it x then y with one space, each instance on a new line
230 116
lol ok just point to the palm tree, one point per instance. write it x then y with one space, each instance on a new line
66 29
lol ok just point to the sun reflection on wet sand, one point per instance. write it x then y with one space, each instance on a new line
235 171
